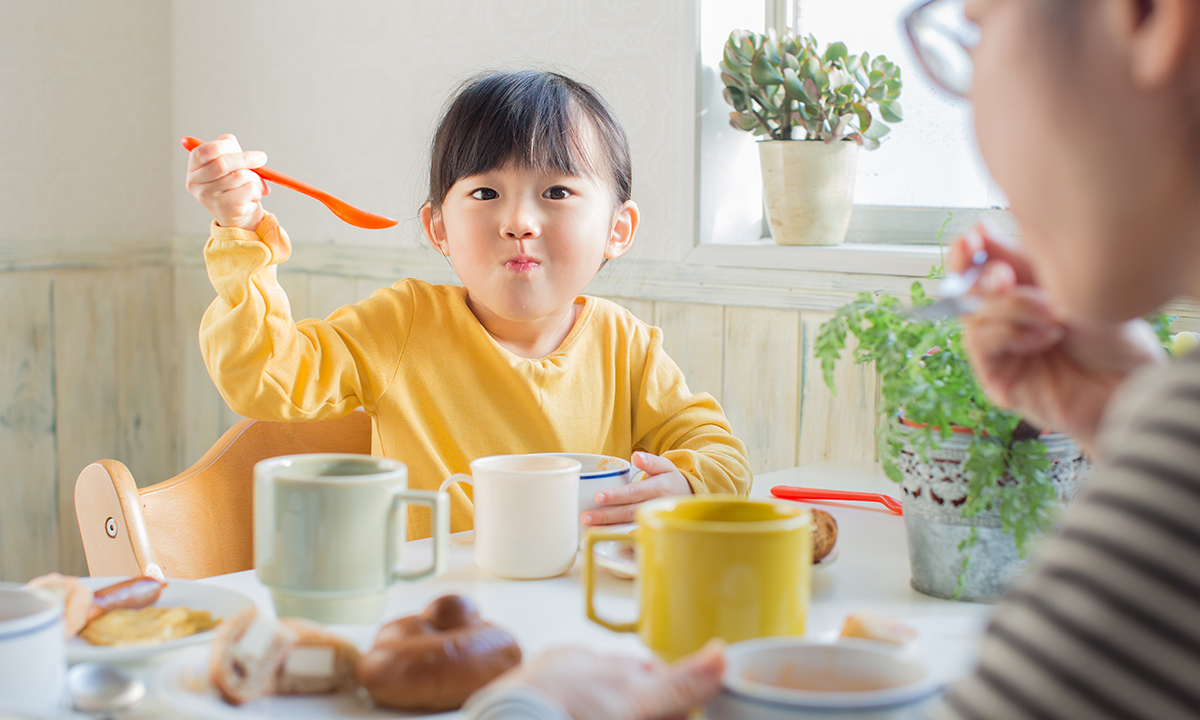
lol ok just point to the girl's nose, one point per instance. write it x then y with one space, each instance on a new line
520 223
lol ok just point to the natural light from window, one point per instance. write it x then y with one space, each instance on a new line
928 161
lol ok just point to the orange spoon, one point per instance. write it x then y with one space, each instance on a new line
346 211
800 493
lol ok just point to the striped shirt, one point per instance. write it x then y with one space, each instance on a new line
1108 626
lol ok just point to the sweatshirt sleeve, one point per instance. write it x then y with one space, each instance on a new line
269 367
688 429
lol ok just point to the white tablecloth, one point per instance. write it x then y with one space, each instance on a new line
870 572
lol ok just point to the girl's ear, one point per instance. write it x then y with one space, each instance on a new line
434 229
624 227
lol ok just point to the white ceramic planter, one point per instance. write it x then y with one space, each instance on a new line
808 187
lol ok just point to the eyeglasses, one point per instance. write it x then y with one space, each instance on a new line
943 37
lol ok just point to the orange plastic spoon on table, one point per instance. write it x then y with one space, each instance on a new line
800 493
346 211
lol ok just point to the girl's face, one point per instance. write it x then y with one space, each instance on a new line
1081 150
525 244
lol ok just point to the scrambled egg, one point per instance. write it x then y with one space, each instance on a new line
146 625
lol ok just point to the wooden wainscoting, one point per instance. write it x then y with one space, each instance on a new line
87 371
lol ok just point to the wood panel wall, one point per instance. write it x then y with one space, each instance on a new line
88 370
103 362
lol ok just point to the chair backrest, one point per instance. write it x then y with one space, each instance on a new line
200 522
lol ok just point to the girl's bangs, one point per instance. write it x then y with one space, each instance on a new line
546 136
542 122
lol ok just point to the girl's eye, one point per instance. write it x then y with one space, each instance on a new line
557 193
485 194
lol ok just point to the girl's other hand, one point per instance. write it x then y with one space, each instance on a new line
1059 376
620 503
220 175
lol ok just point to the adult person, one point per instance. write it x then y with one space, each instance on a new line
1087 113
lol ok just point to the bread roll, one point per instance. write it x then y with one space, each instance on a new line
319 661
824 533
247 655
435 660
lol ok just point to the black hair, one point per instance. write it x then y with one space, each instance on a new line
532 119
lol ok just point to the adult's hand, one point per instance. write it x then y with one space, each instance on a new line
592 686
1058 375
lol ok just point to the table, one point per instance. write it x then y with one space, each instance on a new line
870 572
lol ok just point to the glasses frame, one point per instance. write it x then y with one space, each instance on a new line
911 20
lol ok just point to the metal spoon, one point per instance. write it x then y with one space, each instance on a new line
952 293
100 690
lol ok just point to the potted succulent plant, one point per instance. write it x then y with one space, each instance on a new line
784 90
979 485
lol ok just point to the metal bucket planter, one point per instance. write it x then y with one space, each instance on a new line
933 495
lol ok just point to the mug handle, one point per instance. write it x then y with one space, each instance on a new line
439 529
589 578
457 478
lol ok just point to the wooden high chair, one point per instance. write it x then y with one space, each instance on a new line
200 522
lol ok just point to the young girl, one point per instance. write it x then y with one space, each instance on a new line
529 196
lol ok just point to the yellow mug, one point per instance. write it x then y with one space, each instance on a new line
714 566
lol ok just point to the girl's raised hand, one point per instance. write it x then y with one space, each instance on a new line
620 504
1059 376
220 175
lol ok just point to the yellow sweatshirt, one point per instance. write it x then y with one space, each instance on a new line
441 391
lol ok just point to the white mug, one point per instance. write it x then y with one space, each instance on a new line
329 533
526 514
33 655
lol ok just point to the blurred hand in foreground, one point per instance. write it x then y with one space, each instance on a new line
1059 376
592 686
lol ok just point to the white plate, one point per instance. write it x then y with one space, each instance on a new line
620 559
221 602
183 685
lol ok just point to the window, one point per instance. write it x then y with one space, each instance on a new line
927 167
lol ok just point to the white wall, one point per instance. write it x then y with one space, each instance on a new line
85 120
345 95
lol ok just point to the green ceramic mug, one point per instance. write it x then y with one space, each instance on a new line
329 533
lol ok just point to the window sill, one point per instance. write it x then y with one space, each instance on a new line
913 261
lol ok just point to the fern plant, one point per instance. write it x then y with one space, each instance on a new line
926 379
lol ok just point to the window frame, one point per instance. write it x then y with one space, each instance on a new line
905 238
